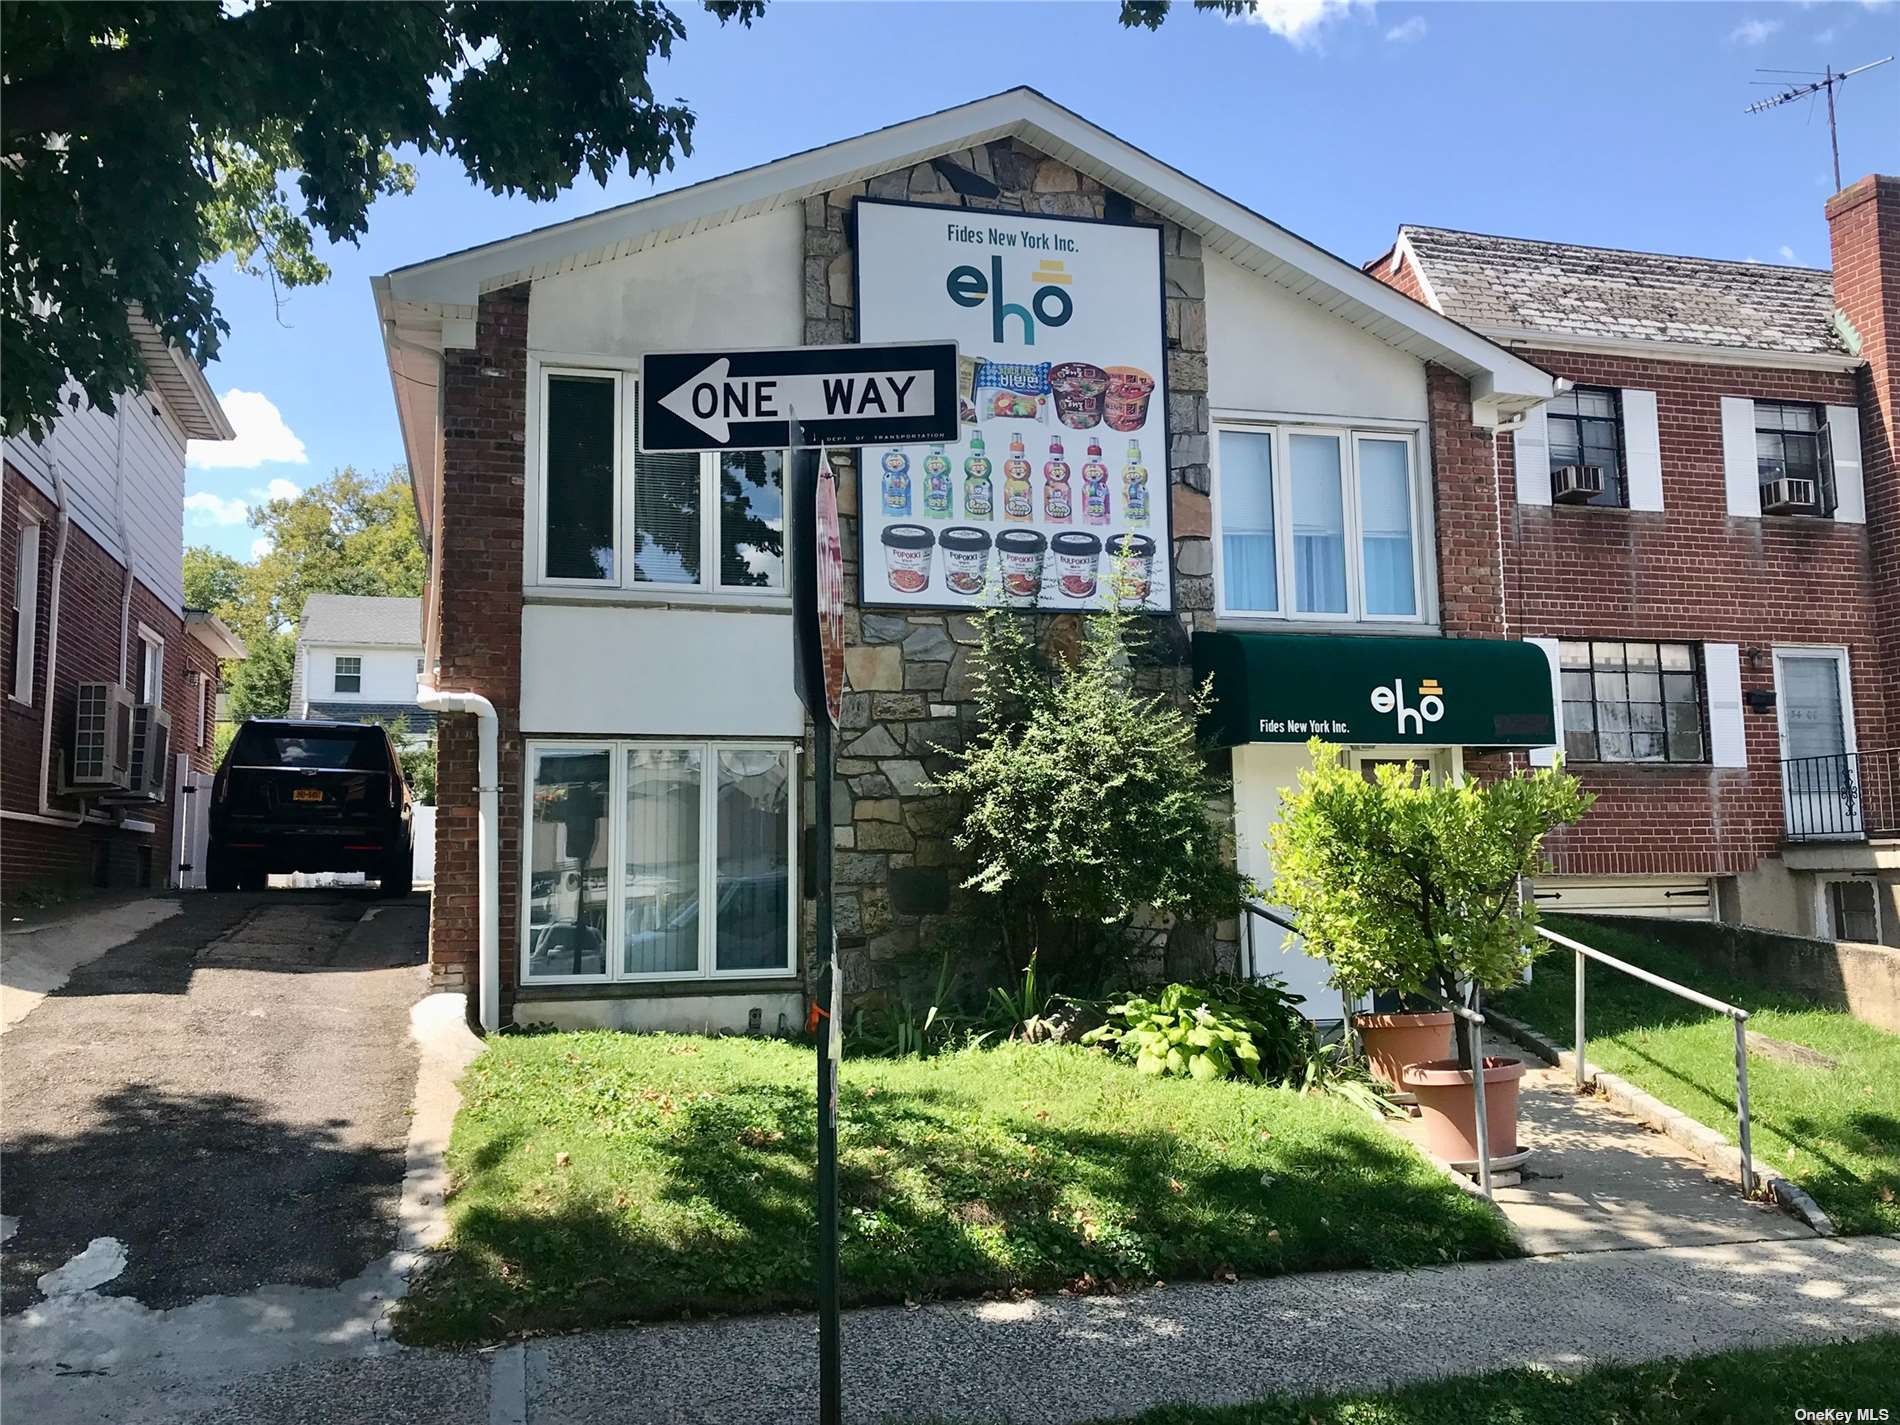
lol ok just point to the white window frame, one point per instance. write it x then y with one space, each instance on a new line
617 750
204 702
26 609
624 587
1824 907
151 687
1350 435
337 660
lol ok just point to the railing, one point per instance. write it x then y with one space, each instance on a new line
1847 796
1739 1017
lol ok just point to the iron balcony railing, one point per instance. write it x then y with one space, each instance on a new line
1848 796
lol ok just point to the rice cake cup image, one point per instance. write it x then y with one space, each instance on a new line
1078 388
1077 555
907 557
1126 406
966 559
1134 556
1020 554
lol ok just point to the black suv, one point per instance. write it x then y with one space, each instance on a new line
310 796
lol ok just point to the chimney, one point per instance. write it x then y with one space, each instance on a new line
1864 227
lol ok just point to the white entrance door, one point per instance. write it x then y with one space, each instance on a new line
1820 781
191 827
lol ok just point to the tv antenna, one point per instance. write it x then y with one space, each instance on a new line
1828 81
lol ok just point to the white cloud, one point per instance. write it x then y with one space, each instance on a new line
262 437
281 489
1787 253
261 546
1826 37
1298 21
1754 32
1406 31
216 509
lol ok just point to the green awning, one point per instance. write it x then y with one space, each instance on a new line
1425 692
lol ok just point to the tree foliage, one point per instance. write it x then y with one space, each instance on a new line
144 141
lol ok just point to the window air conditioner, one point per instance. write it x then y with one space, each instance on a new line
102 736
1787 496
151 750
1576 484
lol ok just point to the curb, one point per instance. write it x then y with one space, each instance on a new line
1701 1140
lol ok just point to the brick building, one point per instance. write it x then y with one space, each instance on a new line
91 549
1702 531
1250 417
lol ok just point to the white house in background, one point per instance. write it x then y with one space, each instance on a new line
358 657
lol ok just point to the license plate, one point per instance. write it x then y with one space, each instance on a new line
307 794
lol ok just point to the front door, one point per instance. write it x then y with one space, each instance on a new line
1819 775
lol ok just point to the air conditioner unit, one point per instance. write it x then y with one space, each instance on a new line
1576 484
151 750
102 737
1788 496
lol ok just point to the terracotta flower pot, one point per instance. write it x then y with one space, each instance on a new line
1394 1040
1447 1107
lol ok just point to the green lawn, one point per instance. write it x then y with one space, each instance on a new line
1835 1131
612 1177
1735 1388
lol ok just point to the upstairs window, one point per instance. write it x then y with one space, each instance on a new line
1586 447
349 674
1631 702
614 518
23 645
1792 459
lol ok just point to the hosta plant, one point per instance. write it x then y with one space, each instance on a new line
1183 1032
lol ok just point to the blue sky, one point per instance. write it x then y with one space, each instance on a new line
1618 125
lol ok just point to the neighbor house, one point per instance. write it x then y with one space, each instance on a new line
358 657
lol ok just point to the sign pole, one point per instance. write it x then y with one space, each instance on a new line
830 1356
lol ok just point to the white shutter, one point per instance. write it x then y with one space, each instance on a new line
1531 444
1843 435
1547 756
1740 470
1642 450
1722 671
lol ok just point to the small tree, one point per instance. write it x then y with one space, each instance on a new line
1087 800
1404 884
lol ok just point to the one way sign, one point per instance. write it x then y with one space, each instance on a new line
841 395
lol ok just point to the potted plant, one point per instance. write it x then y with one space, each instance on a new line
1404 884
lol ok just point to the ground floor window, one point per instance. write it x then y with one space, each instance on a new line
629 843
1853 911
1631 702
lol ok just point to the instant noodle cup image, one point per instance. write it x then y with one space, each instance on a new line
1020 553
1078 388
1135 556
907 557
966 559
1126 406
1076 555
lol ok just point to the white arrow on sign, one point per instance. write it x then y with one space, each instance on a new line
715 398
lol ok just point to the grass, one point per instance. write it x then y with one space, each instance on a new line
1834 1131
607 1177
1736 1386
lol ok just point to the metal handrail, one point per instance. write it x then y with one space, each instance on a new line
1736 1015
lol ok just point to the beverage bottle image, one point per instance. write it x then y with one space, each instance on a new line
1058 499
937 484
1094 486
896 482
1019 502
1135 486
979 495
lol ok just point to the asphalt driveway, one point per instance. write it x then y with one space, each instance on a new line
225 1097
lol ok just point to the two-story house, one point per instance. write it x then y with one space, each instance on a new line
358 657
1703 531
110 681
1146 362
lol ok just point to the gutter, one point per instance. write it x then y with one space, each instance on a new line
488 836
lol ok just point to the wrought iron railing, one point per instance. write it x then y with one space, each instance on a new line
1848 796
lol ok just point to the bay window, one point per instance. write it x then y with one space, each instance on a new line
1317 523
630 841
613 518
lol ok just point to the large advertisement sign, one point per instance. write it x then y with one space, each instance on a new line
1063 461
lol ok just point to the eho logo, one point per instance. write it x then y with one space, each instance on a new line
1050 304
1431 704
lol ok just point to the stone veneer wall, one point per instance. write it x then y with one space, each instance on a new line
908 675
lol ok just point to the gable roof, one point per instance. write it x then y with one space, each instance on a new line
1519 289
361 618
426 306
179 382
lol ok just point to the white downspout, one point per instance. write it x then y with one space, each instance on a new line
47 809
488 835
125 545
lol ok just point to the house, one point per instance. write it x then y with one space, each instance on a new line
111 682
358 657
1703 531
617 621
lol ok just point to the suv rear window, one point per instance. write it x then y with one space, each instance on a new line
334 747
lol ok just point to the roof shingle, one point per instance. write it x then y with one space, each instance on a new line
361 618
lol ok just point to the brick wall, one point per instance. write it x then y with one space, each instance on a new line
478 617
